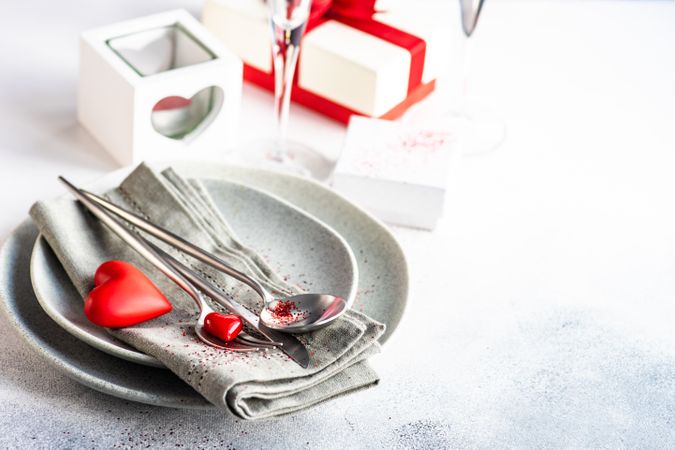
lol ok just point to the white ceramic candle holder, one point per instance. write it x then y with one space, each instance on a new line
159 87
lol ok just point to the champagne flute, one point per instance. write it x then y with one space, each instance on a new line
478 127
288 20
483 132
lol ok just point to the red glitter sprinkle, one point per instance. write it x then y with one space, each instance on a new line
284 309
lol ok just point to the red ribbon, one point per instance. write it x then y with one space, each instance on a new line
359 14
352 9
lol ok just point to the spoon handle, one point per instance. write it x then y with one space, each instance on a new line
178 242
142 247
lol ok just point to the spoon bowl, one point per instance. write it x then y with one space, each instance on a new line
302 313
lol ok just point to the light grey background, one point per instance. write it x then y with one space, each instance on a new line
552 270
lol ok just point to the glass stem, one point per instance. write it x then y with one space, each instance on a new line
285 61
466 76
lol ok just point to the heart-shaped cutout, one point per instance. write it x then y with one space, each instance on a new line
223 326
181 118
123 296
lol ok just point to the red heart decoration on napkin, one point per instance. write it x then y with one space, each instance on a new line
123 296
223 326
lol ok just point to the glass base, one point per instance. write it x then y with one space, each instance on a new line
481 130
288 156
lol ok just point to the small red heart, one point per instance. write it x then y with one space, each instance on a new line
223 326
123 296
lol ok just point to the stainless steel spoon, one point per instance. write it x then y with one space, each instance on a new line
293 314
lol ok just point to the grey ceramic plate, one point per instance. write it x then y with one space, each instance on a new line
382 275
294 242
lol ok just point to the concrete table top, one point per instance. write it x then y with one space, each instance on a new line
541 309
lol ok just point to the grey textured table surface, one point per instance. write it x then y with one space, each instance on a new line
545 296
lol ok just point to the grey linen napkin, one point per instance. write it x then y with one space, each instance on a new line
249 385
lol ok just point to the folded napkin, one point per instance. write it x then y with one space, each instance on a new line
249 385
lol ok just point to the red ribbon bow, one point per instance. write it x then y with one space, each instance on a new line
347 9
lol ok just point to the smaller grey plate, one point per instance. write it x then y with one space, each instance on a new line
294 242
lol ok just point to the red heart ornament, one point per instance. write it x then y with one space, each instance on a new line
123 296
223 326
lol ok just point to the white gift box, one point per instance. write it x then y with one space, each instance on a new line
342 70
159 87
397 172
